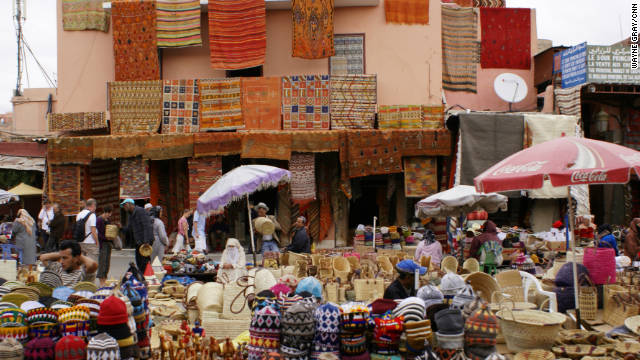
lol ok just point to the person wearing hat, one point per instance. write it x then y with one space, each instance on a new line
606 239
70 264
270 243
148 207
140 228
233 261
403 286
300 241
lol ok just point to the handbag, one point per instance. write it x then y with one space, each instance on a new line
368 289
601 263
588 299
235 298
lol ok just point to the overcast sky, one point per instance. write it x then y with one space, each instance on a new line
565 22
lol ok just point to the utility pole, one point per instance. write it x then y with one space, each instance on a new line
19 15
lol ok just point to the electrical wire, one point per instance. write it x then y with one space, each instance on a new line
42 69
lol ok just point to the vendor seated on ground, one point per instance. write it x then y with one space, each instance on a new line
606 238
300 241
70 264
404 285
233 261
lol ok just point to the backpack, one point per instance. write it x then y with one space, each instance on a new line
491 253
78 229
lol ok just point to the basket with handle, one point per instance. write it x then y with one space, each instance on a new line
332 291
235 298
341 268
529 329
111 231
588 299
609 304
368 289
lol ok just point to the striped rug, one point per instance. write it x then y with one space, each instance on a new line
432 117
568 101
399 117
178 23
203 172
353 101
303 177
220 104
460 49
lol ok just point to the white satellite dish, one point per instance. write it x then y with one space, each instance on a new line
510 88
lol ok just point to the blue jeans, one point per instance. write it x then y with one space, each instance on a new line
269 245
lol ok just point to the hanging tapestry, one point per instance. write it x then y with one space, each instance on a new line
460 49
120 146
178 23
135 106
399 117
165 147
316 141
432 117
568 101
84 15
461 3
65 187
343 157
407 11
180 106
506 38
76 121
632 135
303 177
267 145
349 55
203 172
261 103
70 150
420 176
372 152
105 182
423 142
283 213
305 102
134 40
353 101
237 33
489 3
220 104
134 178
313 219
326 173
312 28
214 144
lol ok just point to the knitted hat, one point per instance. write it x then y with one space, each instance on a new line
327 336
463 297
11 349
71 348
51 279
430 295
12 317
40 349
73 314
264 332
449 321
42 315
451 284
386 336
113 311
19 333
102 293
298 321
411 308
60 304
354 317
481 328
118 332
28 305
48 330
280 288
381 306
352 344
76 328
310 284
103 347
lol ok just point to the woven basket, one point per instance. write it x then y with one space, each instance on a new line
534 355
471 265
341 268
222 328
192 292
354 262
578 351
210 297
111 232
510 283
315 259
332 292
325 274
293 258
235 306
264 279
530 329
483 284
612 313
449 264
300 270
384 264
588 301
368 289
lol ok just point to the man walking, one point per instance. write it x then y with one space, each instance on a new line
89 243
140 228
44 218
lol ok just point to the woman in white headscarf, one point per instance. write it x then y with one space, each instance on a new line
23 234
233 261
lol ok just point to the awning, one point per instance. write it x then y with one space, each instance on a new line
22 163
25 190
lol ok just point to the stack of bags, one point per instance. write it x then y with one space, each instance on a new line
481 330
358 238
327 334
353 339
74 320
264 332
113 319
298 330
450 334
13 324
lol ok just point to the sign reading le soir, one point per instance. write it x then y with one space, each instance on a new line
611 65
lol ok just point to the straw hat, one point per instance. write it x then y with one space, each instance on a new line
146 250
633 324
449 264
265 226
471 265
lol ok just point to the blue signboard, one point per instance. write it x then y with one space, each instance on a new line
574 65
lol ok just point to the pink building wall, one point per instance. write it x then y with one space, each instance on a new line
30 110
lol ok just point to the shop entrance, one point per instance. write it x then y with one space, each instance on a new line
372 197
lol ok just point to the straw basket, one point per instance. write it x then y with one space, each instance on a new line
588 300
293 258
264 279
471 265
368 289
300 270
210 297
192 293
332 292
530 329
384 264
235 306
341 268
449 264
221 328
612 312
315 259
111 232
354 262
534 355
483 284
265 226
510 283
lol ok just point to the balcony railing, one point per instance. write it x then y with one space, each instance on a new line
286 4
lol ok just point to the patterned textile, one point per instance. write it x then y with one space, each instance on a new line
372 152
399 117
84 15
178 23
180 106
214 144
459 49
164 147
407 11
220 104
105 182
420 176
120 146
313 218
70 150
76 121
349 55
237 33
432 117
312 28
305 102
353 101
632 135
136 106
325 178
316 141
65 187
261 103
134 178
303 177
568 101
423 142
203 172
461 3
506 38
489 3
134 40
267 145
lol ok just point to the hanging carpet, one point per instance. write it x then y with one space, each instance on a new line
262 103
220 104
135 106
460 49
312 28
303 177
203 172
420 176
84 15
353 101
180 106
134 178
65 187
506 38
305 102
178 23
407 11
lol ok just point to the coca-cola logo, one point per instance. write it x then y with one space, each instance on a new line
592 176
515 169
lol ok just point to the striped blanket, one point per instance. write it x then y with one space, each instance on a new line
459 49
568 101
399 117
178 23
353 101
220 104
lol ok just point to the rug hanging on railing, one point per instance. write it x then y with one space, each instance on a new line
203 172
105 180
568 101
134 40
353 101
65 187
488 3
84 15
76 150
134 178
305 102
372 152
432 117
135 106
180 106
460 48
220 104
178 23
77 121
420 176
303 177
262 103
312 28
399 117
237 33
506 38
407 11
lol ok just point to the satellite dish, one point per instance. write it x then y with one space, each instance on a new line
510 88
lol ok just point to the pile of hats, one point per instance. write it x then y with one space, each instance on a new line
327 334
71 347
113 319
450 333
412 309
13 324
11 349
103 347
94 309
450 285
137 295
43 322
264 332
481 330
262 299
74 320
298 330
353 339
40 348
386 335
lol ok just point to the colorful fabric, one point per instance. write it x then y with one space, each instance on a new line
399 117
407 11
261 103
76 121
84 15
459 49
65 187
70 150
180 106
121 146
237 33
325 180
506 38
423 142
632 135
420 176
136 106
568 101
371 153
104 184
303 177
178 23
267 145
203 172
220 104
316 141
165 147
214 144
432 117
312 28
348 58
489 3
134 40
305 102
353 101
134 178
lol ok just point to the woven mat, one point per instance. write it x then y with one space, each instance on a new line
76 121
220 104
267 145
433 117
215 144
506 38
84 15
180 106
407 11
423 142
120 146
372 152
134 40
420 176
312 28
303 177
203 172
164 147
349 54
316 141
568 101
460 49
262 103
134 178
353 101
178 23
305 102
136 106
70 150
65 187
399 117
105 184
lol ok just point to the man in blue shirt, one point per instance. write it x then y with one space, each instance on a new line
606 239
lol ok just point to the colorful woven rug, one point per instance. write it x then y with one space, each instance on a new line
105 183
77 121
353 101
424 142
65 187
407 11
203 172
489 3
303 177
178 23
180 106
134 178
506 38
136 106
460 49
134 40
461 3
165 147
432 117
316 141
220 104
420 176
568 101
237 33
325 179
399 117
305 102
214 144
84 15
262 103
372 152
349 55
312 28
632 133
70 150
121 146
267 145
